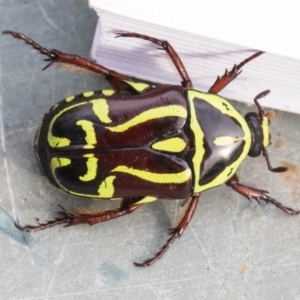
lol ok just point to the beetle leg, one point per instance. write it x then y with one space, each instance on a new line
223 81
74 62
174 232
165 45
253 193
69 218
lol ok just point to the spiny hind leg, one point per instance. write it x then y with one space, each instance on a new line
253 193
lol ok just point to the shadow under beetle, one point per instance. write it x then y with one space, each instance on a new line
139 142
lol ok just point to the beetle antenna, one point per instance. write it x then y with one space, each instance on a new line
259 96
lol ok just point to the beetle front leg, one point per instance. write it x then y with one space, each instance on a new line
165 45
69 218
223 81
72 62
174 232
253 193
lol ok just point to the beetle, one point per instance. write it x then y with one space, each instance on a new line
139 142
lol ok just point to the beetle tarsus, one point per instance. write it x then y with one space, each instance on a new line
31 42
174 232
286 209
66 218
42 226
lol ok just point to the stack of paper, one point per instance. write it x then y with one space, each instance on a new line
192 30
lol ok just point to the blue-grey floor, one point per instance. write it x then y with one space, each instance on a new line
233 248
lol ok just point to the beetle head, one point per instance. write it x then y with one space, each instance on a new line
259 128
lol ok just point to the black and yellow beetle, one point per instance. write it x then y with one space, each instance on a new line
139 142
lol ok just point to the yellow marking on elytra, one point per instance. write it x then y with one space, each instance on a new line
227 109
151 114
266 134
88 147
88 127
174 144
162 178
106 188
146 199
88 94
101 110
58 162
99 107
138 86
70 98
92 165
108 92
226 140
57 142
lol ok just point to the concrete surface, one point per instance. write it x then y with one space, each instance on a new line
233 248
